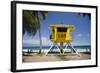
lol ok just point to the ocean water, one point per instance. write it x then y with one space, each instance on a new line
86 48
47 47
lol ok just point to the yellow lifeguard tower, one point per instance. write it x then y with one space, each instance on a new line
61 34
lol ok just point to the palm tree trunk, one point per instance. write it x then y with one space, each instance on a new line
39 22
40 39
40 51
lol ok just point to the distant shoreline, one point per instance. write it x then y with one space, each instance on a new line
57 50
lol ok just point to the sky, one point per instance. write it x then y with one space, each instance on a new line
81 35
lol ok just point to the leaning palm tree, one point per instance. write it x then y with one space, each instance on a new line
32 22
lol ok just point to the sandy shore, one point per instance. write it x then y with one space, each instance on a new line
34 57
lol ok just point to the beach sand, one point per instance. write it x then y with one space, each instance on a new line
34 57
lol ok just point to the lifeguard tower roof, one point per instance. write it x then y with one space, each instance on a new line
61 25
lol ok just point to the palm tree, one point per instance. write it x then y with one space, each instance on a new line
86 14
32 23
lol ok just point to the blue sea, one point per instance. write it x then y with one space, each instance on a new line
47 47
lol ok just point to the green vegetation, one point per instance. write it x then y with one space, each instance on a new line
86 14
32 22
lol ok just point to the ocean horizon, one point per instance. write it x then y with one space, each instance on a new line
47 47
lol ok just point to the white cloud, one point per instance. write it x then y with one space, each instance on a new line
32 41
79 35
44 40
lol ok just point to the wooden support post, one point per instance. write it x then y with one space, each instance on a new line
61 48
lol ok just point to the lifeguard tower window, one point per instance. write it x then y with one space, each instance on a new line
53 30
61 29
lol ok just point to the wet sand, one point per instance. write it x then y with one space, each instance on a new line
34 57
